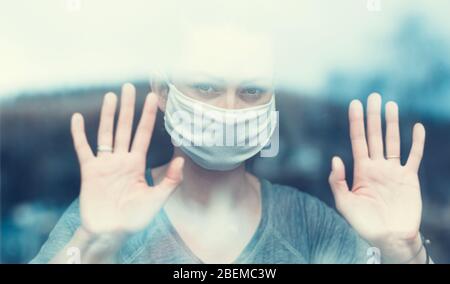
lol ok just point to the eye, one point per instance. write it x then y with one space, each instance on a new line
205 89
252 91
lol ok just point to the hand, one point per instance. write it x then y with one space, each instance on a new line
115 196
384 204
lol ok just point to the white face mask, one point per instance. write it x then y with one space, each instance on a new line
217 138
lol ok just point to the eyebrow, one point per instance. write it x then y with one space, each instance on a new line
250 81
203 75
256 80
200 75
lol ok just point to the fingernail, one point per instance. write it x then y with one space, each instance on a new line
333 163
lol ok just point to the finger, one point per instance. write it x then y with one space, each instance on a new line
174 175
125 122
357 132
146 125
337 180
392 133
415 155
374 131
80 142
106 126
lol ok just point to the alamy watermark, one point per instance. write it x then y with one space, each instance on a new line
215 129
73 5
73 255
373 5
373 255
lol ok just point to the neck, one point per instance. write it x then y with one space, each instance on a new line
203 189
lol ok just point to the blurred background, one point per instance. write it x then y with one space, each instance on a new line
61 56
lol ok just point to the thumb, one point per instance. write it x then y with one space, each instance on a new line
174 175
337 181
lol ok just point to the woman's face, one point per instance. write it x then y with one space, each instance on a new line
225 67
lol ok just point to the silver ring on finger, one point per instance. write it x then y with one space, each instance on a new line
104 148
392 157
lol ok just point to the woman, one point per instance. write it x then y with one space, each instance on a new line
204 207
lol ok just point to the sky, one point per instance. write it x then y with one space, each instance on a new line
50 44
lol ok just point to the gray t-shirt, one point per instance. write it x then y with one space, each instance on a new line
294 228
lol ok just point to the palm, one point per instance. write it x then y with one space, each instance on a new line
113 184
385 197
115 196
